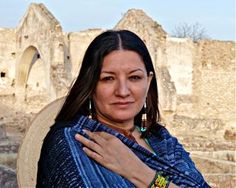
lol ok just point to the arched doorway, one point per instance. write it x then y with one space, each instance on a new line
30 74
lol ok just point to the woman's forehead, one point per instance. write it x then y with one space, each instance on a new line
122 58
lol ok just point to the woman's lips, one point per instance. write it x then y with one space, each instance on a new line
122 104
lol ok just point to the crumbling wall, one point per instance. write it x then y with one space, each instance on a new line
7 60
215 79
39 35
78 43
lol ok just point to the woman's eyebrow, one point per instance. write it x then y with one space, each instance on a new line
132 71
138 69
107 72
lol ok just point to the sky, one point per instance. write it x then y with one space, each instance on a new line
217 17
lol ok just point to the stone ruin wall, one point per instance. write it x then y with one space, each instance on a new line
217 83
204 119
7 59
82 38
197 81
42 56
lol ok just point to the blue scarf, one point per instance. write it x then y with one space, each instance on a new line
63 163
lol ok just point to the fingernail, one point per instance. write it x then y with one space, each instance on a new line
86 131
78 136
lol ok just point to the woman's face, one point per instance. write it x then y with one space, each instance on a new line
121 89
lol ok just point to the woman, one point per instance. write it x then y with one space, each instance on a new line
107 133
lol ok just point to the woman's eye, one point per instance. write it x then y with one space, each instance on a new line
135 77
107 78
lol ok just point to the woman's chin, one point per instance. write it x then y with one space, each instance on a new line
123 119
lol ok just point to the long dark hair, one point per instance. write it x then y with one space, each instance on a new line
77 101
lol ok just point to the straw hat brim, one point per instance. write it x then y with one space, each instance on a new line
29 151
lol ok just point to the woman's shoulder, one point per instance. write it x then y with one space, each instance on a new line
55 141
60 133
56 165
171 150
161 132
168 145
63 132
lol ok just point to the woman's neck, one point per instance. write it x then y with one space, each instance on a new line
127 125
126 129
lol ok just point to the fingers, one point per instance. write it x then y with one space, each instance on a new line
93 147
96 137
97 143
89 144
94 155
102 134
105 135
107 150
99 137
85 141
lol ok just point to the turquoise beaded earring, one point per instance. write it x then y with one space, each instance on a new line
144 119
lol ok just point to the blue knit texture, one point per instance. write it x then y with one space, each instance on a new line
63 163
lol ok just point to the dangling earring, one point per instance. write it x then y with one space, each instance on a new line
144 119
90 109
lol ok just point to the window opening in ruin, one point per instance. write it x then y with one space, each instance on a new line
38 56
3 74
13 54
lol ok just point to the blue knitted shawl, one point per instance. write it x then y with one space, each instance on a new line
63 163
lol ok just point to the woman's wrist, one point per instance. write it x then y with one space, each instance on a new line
159 181
153 181
140 180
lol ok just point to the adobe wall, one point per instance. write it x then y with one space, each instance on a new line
39 36
7 60
78 43
215 79
180 55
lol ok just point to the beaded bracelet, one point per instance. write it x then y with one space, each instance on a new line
159 181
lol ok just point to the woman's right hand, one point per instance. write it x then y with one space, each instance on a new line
113 154
110 152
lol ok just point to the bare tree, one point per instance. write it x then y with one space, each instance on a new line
195 31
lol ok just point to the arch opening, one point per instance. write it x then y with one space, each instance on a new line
31 74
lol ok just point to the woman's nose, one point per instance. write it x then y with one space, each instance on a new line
122 88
